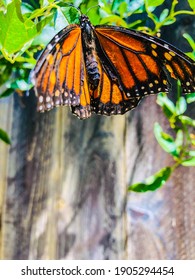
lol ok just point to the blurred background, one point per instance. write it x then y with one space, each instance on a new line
64 182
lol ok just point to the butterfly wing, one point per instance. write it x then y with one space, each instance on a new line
59 75
110 98
130 65
133 65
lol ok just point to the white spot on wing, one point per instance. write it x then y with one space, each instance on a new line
48 98
166 46
40 98
49 47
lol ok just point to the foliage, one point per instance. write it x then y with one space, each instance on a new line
27 26
4 136
179 147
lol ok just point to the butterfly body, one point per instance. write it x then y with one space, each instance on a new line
106 69
90 53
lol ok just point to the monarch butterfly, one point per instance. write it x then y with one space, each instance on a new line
106 69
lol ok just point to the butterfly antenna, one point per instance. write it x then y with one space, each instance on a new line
92 8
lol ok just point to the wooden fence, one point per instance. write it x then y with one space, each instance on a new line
64 185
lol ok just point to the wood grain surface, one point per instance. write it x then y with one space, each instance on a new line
64 187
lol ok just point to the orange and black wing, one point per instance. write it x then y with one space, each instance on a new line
59 76
134 65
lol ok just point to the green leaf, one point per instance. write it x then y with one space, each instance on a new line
187 120
42 23
26 8
4 136
6 93
193 142
179 140
189 162
123 7
192 153
153 182
18 9
136 6
190 98
61 18
91 8
163 15
154 3
170 21
14 32
115 6
114 19
189 39
165 140
166 104
181 106
192 4
21 84
6 2
70 14
5 70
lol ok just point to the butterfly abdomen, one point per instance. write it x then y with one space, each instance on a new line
90 54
